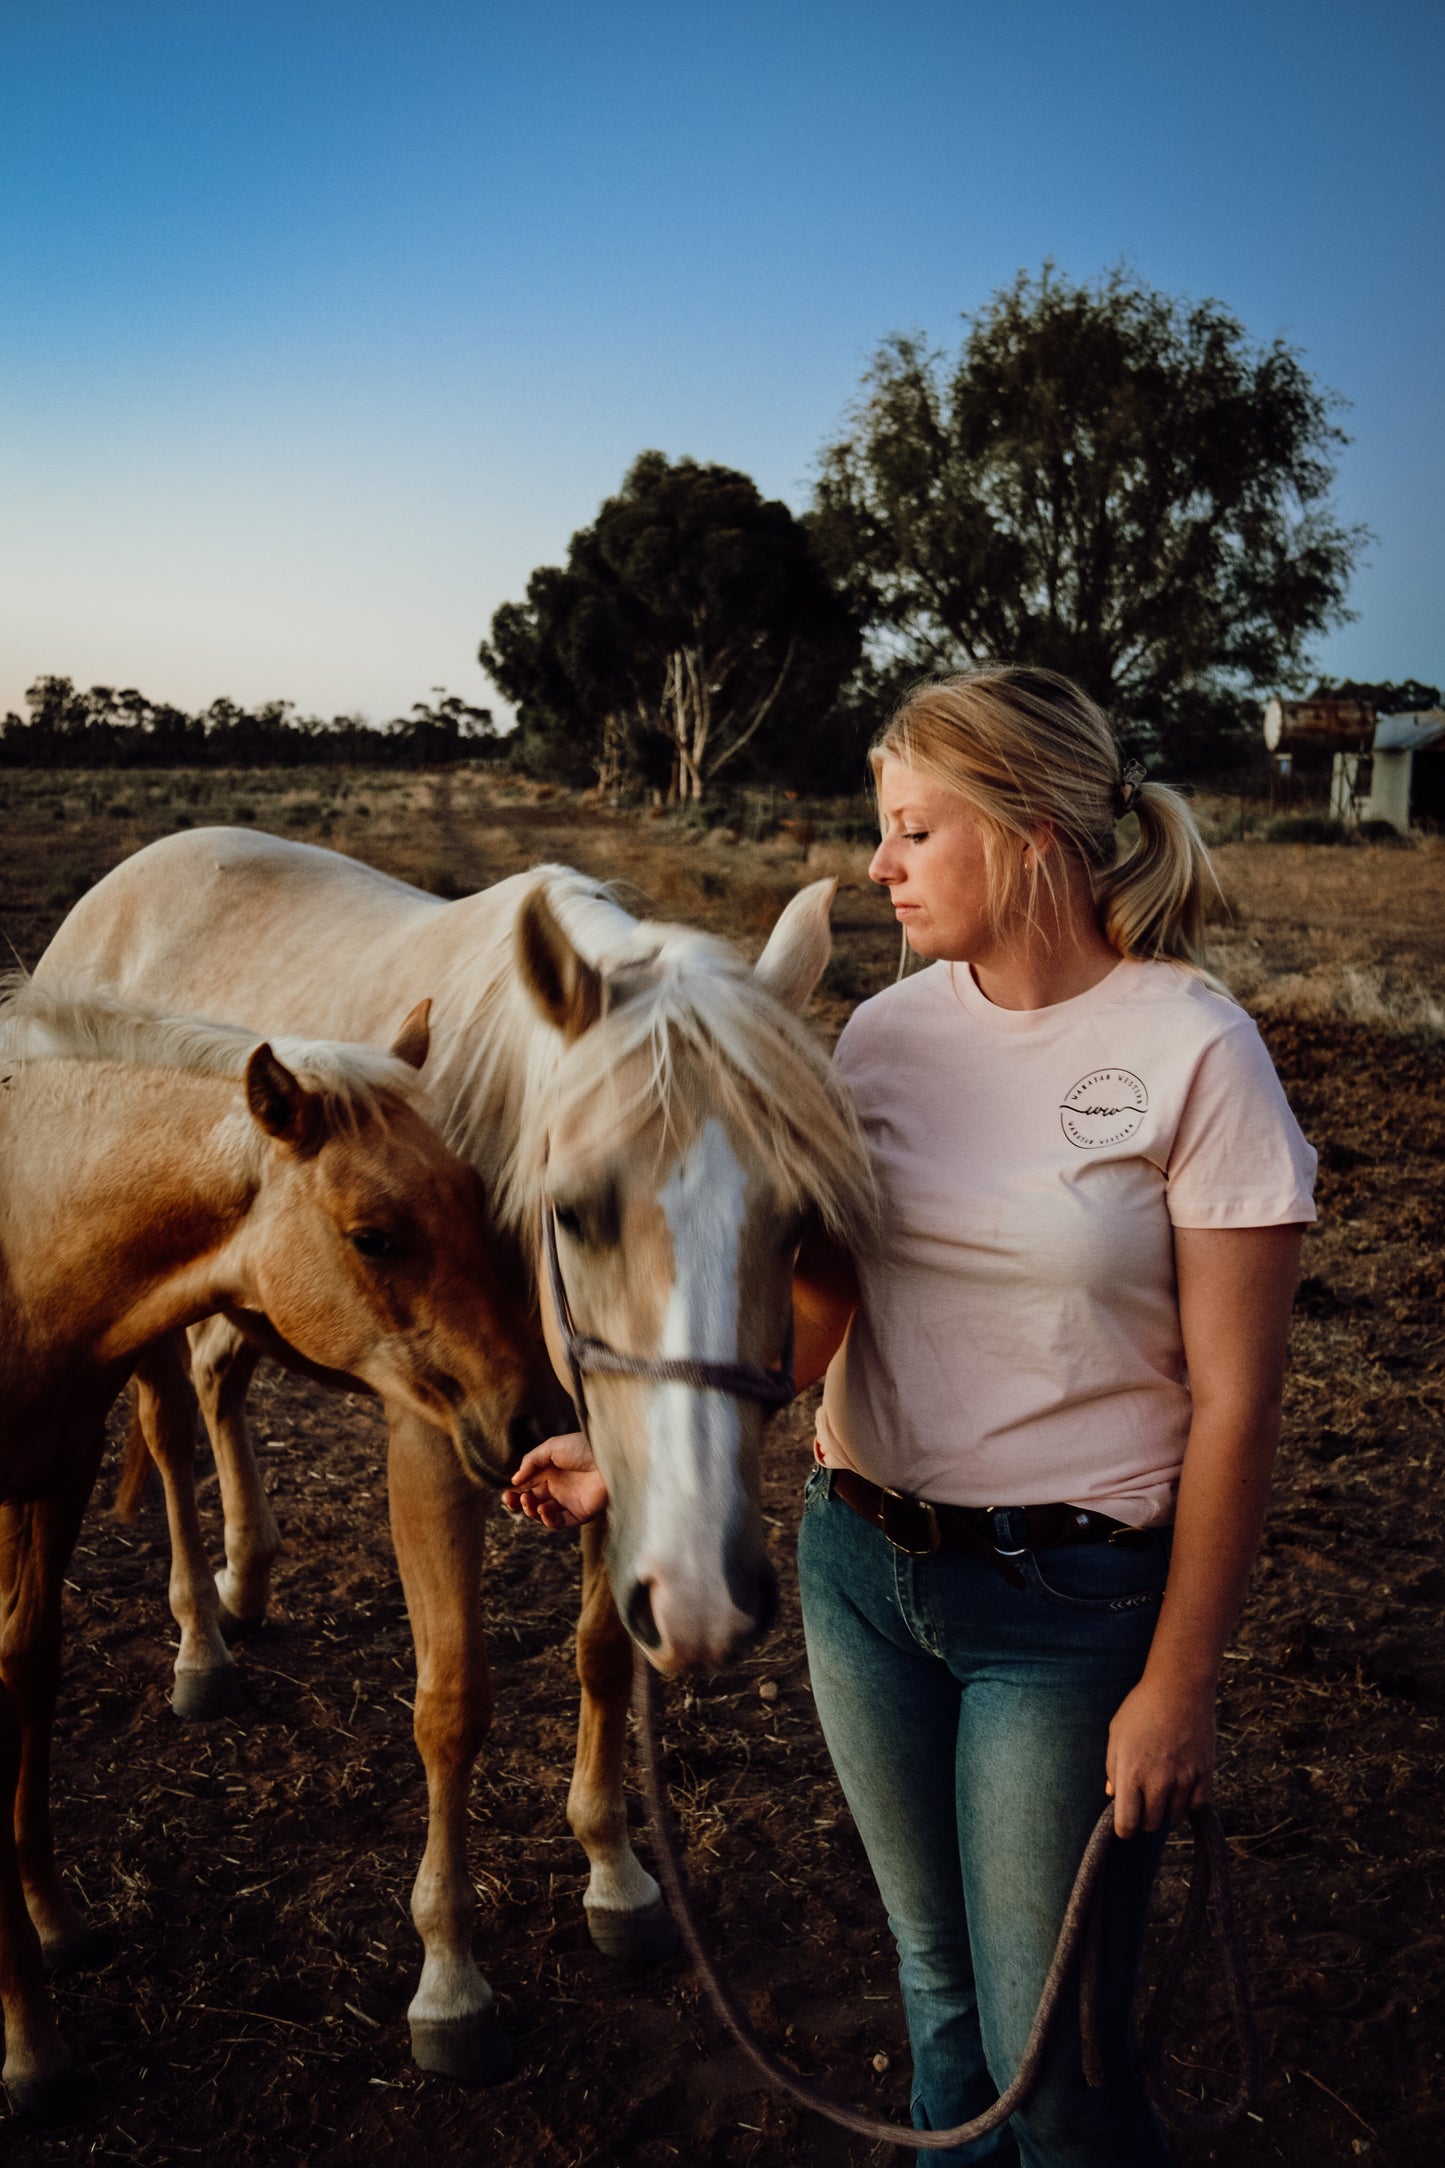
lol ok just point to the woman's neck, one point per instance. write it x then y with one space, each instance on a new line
1033 970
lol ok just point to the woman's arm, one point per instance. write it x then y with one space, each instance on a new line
1236 1288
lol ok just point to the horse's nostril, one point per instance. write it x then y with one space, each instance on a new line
754 1589
766 1610
640 1620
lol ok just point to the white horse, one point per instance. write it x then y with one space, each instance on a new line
665 1103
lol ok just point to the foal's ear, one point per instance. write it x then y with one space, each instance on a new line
563 984
799 946
283 1106
413 1042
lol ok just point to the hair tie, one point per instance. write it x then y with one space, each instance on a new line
1130 783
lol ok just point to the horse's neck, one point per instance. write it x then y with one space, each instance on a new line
120 1187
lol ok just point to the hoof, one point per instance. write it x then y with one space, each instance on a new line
201 1695
63 2096
232 1628
85 1952
473 2050
634 1938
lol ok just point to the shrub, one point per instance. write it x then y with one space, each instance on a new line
1307 828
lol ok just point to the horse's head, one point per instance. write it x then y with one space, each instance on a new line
691 1125
370 1250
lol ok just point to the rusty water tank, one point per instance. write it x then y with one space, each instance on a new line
1318 726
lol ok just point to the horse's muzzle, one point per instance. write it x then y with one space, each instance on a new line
679 1635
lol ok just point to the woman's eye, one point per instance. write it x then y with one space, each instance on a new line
373 1242
915 835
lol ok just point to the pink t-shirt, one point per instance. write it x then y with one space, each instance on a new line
1017 1338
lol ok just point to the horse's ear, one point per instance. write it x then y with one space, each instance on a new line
799 946
563 984
283 1106
413 1042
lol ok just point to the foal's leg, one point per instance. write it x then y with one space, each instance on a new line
38 2066
438 1524
223 1362
207 1682
626 1917
36 1540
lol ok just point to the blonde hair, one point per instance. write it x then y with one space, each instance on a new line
1025 747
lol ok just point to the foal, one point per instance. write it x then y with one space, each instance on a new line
154 1171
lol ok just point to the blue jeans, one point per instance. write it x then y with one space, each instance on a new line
967 1720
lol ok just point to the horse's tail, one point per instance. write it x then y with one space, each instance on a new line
135 1467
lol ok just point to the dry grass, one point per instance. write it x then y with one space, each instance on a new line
1357 934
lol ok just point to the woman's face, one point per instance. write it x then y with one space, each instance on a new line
931 862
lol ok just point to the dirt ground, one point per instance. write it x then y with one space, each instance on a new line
255 1873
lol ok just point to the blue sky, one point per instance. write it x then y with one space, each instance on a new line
327 320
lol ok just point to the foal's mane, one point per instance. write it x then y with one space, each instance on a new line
710 1034
55 1021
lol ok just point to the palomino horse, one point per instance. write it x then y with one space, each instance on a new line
154 1171
665 1101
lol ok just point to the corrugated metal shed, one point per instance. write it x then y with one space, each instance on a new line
1410 733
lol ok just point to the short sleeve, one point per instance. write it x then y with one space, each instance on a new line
1239 1157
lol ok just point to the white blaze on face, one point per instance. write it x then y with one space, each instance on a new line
694 1435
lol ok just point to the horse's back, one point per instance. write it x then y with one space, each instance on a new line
251 928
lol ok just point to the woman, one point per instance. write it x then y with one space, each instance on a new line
1053 1385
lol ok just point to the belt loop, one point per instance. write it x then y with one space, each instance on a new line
1009 1524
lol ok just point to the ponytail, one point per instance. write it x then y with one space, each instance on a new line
1151 902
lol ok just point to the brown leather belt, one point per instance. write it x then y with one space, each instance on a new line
920 1528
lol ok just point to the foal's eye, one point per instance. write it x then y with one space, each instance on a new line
373 1242
569 1220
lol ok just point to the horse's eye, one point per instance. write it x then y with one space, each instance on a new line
373 1242
569 1220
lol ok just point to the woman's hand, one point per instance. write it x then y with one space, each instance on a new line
1160 1759
558 1483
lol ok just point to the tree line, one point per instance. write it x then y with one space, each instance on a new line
103 728
1102 480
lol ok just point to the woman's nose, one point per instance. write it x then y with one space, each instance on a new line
880 866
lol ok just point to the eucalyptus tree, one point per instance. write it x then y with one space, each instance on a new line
1103 480
692 619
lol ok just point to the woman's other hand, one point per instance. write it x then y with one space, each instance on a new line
1160 1759
558 1483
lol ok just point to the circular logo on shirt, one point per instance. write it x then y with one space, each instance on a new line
1104 1107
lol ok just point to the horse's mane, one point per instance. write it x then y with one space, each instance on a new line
51 1020
708 1030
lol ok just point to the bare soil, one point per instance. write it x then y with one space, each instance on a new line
255 1873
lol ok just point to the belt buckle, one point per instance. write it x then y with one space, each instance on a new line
911 1505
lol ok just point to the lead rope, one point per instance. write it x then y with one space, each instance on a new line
1078 1940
